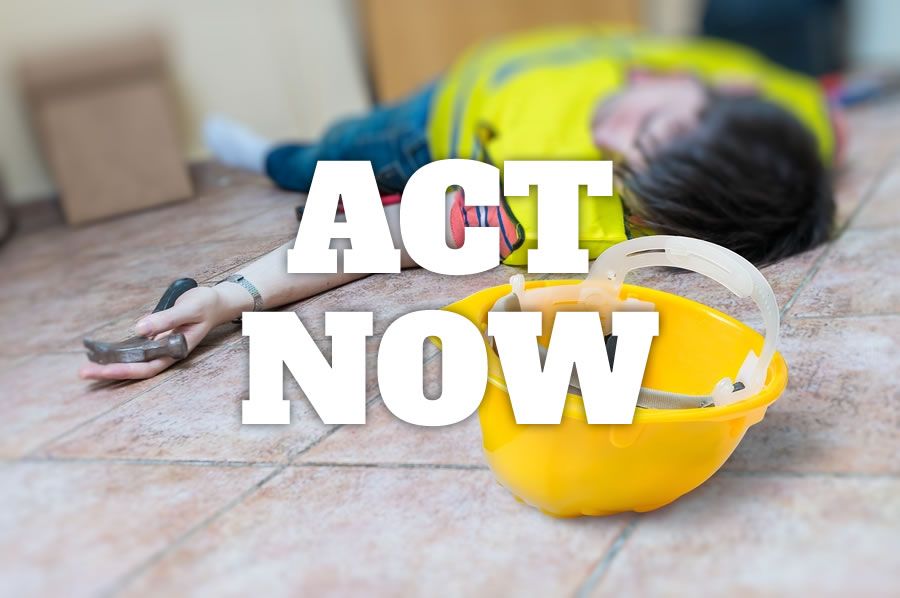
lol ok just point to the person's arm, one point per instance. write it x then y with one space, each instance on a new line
201 309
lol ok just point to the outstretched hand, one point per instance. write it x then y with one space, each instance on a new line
194 314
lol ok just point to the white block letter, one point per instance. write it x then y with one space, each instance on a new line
464 367
423 217
372 249
538 396
557 210
337 392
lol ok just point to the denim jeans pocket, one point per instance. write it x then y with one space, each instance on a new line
409 154
391 178
415 151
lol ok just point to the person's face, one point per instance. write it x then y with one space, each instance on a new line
646 115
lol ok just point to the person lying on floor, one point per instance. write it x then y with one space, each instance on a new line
709 140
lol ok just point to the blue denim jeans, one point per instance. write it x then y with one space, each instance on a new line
392 137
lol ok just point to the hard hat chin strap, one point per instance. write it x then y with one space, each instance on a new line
601 292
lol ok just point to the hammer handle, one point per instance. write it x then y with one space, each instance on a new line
175 290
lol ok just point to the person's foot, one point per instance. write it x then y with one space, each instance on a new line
234 144
511 232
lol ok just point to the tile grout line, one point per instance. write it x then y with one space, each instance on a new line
47 443
392 465
129 576
877 181
135 572
209 279
144 461
217 276
875 227
593 579
811 273
214 349
291 459
847 316
842 475
205 281
864 201
596 576
21 361
17 360
121 582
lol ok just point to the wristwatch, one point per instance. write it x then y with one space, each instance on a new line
254 292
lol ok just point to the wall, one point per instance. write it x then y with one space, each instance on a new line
873 32
286 67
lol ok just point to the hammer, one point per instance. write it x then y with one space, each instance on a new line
138 348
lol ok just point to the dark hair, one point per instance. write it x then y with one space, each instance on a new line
749 177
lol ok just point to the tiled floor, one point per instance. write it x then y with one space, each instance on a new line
155 488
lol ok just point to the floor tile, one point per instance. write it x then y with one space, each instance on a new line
28 253
211 175
860 275
59 322
765 536
151 271
182 237
851 188
71 529
383 532
122 327
872 125
390 296
872 149
883 209
9 362
841 409
809 498
785 278
43 398
198 416
386 439
197 220
85 300
278 219
48 277
194 221
198 260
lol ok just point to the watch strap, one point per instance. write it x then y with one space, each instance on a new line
249 286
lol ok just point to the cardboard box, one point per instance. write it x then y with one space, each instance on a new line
6 218
107 127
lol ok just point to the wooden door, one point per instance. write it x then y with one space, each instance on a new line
409 42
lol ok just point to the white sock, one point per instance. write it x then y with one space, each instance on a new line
448 205
234 144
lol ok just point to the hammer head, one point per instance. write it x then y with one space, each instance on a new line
137 349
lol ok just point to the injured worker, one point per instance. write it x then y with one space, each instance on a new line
709 140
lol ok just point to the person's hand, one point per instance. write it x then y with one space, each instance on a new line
194 314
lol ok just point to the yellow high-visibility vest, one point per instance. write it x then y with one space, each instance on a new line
533 96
